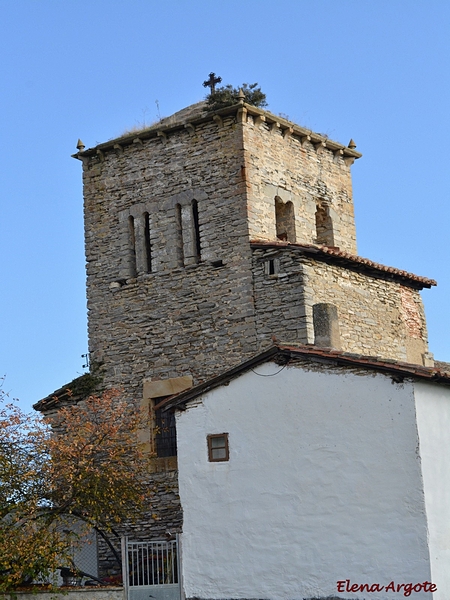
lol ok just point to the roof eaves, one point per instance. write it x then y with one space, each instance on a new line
372 362
62 396
359 263
154 131
161 128
206 386
285 353
302 131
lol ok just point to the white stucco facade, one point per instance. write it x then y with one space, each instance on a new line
433 419
323 484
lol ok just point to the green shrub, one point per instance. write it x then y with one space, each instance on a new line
228 96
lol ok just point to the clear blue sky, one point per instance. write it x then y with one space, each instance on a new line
374 71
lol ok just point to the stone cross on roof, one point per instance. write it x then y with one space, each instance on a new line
211 82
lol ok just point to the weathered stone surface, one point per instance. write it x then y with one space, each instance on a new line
375 316
175 289
284 168
166 387
326 325
135 329
371 313
88 593
162 516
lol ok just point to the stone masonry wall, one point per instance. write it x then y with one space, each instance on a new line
192 310
281 298
190 315
280 165
176 320
376 317
173 288
370 311
163 516
416 335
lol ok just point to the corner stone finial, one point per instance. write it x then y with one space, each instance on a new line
351 144
241 95
80 146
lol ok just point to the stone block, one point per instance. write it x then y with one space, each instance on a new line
166 387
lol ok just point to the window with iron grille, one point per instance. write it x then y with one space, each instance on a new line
165 433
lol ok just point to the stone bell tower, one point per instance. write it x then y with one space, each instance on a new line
210 233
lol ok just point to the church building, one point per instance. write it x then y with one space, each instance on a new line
226 297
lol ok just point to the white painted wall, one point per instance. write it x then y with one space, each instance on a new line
433 420
84 548
323 484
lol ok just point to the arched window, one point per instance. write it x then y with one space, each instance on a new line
188 206
284 220
324 225
131 247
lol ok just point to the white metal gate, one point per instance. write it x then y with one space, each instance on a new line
151 569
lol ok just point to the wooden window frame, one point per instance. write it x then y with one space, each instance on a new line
210 448
272 267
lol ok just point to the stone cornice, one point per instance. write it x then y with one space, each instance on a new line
238 111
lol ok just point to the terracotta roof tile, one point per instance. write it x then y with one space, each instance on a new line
288 353
350 260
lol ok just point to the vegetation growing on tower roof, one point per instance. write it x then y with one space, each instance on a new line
228 95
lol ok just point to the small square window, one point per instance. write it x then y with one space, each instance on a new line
272 266
218 447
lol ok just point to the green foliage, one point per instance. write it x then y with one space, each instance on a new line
27 547
228 96
85 385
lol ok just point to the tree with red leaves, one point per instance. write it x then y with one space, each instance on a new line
82 463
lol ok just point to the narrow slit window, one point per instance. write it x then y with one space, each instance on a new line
218 450
272 266
147 244
196 229
179 227
131 247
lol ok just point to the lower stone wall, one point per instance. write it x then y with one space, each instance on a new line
376 316
162 518
100 593
280 298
